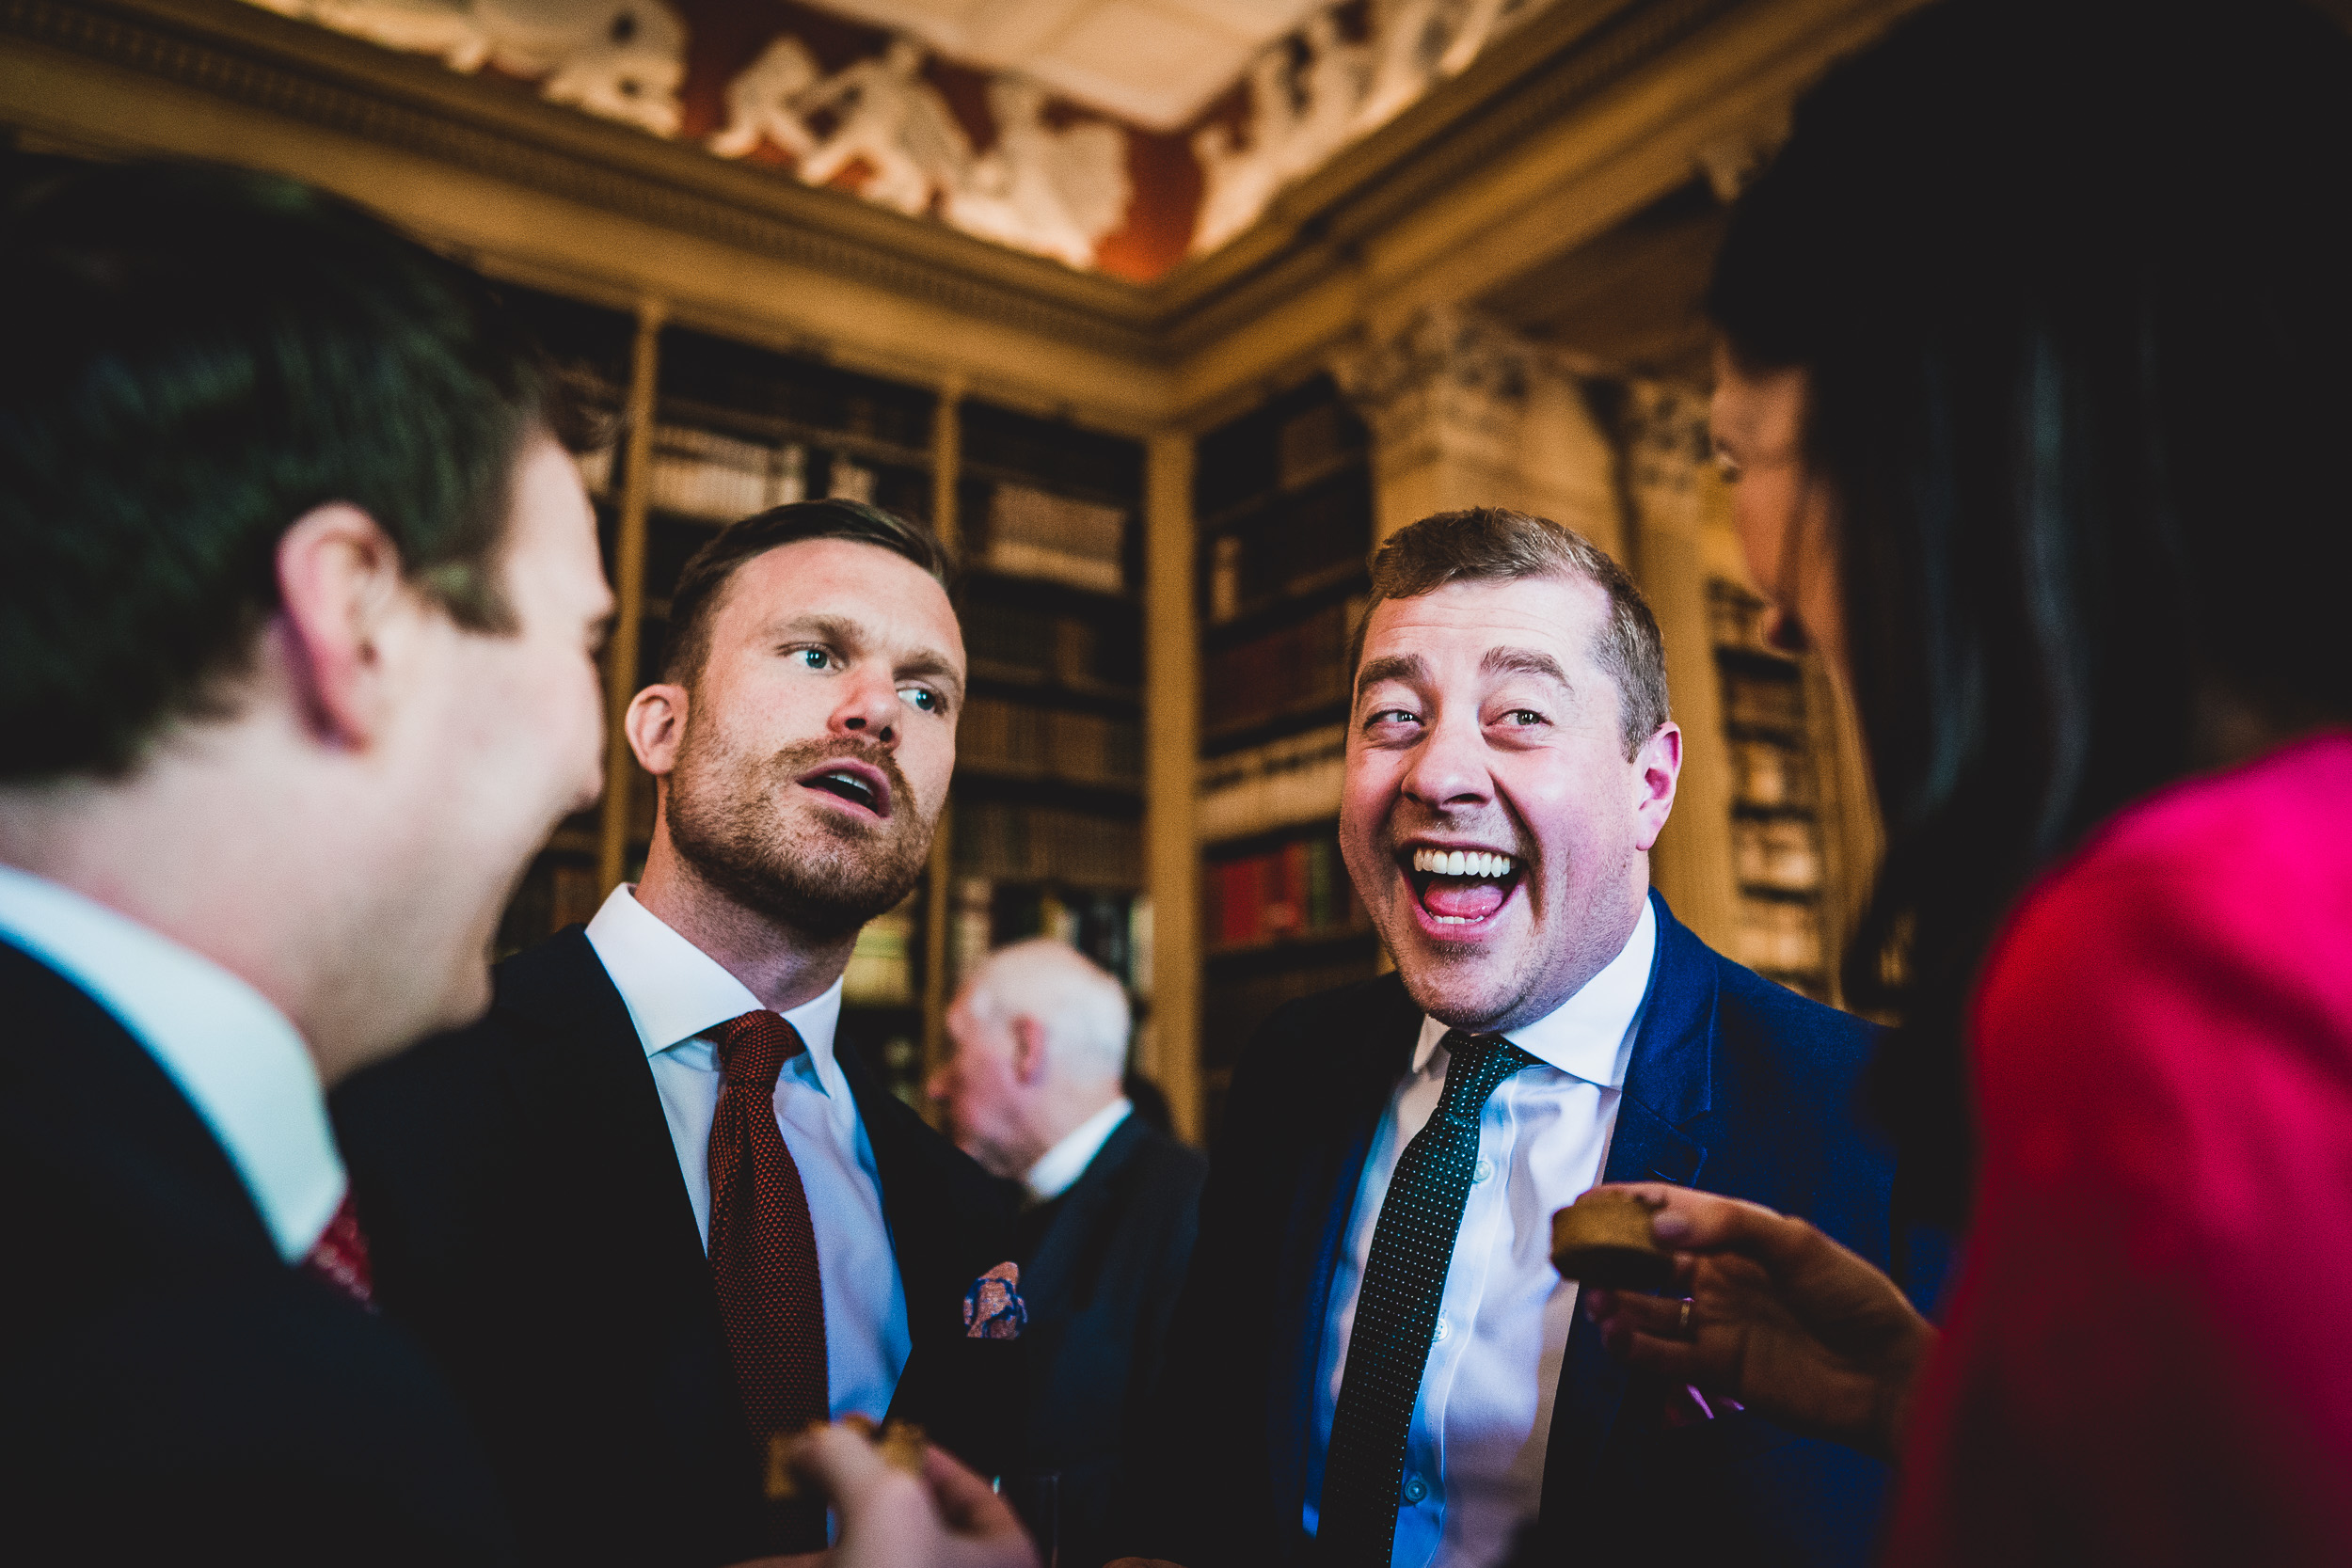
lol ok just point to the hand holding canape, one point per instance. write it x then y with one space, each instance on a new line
1766 1310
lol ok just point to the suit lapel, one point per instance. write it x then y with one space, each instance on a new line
1669 1087
1332 1167
582 1078
595 1122
80 1087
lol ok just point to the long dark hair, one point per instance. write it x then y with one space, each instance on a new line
2073 287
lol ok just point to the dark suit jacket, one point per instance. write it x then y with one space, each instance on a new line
1736 1084
170 1392
1101 1288
529 1222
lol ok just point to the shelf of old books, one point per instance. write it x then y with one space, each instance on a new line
1779 862
1283 496
1047 830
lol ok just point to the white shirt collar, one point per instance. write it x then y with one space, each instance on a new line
236 1058
1591 1034
1067 1161
675 991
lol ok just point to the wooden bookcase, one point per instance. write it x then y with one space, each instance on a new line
1785 837
1282 498
1047 809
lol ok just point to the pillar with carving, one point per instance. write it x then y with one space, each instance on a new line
1465 413
1669 483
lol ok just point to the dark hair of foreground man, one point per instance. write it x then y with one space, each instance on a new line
197 356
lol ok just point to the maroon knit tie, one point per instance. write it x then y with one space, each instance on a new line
340 1256
763 1250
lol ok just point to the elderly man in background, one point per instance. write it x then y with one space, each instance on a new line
1033 1092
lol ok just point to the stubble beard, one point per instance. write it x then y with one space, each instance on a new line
816 872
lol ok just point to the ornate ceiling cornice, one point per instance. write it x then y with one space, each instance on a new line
264 61
1561 62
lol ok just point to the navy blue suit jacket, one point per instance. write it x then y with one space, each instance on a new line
1736 1084
170 1390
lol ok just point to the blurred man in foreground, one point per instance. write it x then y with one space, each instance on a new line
297 666
1033 1092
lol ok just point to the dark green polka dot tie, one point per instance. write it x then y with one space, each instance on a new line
1397 1309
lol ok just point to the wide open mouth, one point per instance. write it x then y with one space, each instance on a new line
1461 890
859 783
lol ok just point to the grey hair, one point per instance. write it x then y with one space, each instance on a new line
1082 1009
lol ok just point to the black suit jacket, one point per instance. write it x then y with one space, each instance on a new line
1736 1086
1101 1288
170 1392
529 1222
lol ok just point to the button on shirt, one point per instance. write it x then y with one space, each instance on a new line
1474 1455
237 1059
677 993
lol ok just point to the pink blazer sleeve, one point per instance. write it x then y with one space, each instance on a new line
2150 1353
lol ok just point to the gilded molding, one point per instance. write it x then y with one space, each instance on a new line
554 161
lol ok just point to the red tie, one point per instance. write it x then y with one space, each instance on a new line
340 1256
763 1250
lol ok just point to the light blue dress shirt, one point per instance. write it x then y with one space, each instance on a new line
1474 1454
236 1058
677 993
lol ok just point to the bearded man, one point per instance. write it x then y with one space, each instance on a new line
650 1212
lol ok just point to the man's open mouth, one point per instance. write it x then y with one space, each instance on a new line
1461 887
854 782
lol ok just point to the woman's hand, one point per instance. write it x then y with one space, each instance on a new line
945 1517
1780 1318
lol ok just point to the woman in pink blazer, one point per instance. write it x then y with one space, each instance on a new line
2036 382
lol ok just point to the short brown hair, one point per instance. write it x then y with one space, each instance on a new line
695 601
1493 544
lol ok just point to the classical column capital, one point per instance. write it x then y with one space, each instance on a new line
1449 380
1465 412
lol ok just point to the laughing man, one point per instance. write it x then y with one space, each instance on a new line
1374 1362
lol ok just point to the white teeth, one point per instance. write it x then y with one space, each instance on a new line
1462 863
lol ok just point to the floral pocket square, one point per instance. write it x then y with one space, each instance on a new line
992 1307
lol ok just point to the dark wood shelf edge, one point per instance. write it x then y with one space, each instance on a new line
679 409
1082 793
1217 851
1280 726
970 467
1052 591
1335 584
1119 701
1306 943
1225 518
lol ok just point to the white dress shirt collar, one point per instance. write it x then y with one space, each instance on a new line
1067 1161
675 991
236 1058
1591 1034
